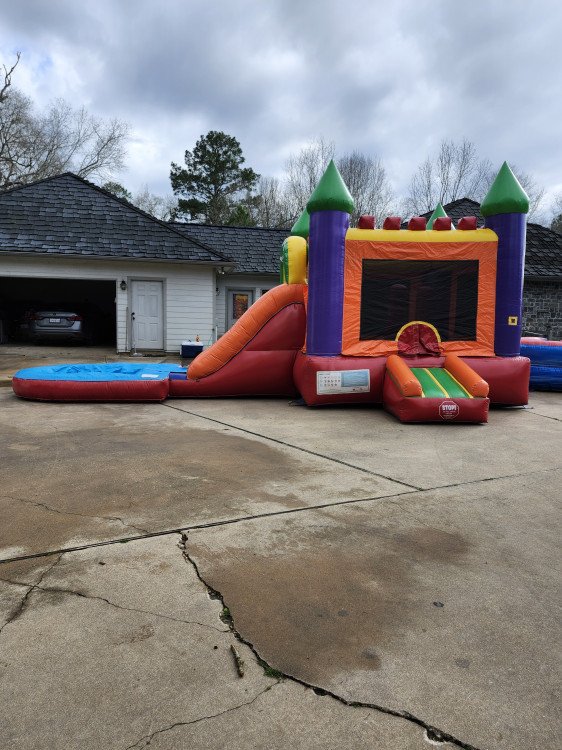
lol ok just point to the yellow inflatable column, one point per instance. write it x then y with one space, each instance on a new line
294 261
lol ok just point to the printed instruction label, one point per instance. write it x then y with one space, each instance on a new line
342 381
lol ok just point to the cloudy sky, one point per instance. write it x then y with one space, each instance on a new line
385 78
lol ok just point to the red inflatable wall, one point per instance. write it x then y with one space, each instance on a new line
109 390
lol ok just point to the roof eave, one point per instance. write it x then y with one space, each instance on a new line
95 256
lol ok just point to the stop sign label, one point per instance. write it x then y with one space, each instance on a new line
448 410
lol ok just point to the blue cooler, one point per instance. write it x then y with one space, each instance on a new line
190 349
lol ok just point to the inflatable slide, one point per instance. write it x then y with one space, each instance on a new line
256 356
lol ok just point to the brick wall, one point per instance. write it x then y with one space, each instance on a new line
542 309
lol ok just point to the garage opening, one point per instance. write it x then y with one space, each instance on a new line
85 310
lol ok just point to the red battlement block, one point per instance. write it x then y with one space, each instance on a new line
392 222
366 222
417 224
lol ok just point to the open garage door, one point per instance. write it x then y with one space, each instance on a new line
92 301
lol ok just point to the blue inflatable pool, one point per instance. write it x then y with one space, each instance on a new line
110 381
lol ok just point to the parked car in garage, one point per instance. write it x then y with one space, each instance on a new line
54 324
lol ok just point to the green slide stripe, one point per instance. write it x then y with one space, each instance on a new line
429 387
449 384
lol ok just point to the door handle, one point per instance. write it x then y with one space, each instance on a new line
132 316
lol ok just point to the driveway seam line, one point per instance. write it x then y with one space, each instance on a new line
258 516
205 525
295 447
544 416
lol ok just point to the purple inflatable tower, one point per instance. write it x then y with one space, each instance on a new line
504 209
329 207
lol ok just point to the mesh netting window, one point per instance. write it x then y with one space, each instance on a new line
443 293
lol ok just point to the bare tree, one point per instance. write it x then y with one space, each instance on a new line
8 77
162 207
556 223
35 145
456 172
303 172
281 202
365 176
535 192
272 206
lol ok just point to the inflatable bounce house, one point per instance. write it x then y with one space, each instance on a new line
425 320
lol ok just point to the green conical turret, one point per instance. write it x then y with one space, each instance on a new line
506 196
331 193
437 214
301 227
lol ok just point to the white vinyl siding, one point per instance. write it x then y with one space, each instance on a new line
254 283
189 290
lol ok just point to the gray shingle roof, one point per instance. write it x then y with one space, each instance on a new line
66 215
254 250
257 250
543 257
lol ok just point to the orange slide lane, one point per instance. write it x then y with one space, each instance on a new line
404 378
244 330
466 377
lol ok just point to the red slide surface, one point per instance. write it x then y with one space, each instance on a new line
254 358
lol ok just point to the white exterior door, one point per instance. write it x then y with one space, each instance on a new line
147 315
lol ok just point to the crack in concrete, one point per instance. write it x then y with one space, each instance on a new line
432 733
147 739
270 514
296 447
22 606
82 515
71 592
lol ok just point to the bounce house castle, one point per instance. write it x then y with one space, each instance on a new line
425 320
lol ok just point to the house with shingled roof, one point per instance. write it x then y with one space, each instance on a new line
157 284
65 241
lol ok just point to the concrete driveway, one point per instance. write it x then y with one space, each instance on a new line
384 585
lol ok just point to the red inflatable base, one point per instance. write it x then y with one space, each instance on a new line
72 390
508 377
306 371
416 409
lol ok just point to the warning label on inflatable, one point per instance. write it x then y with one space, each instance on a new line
448 410
342 381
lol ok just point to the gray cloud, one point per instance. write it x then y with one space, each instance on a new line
387 79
